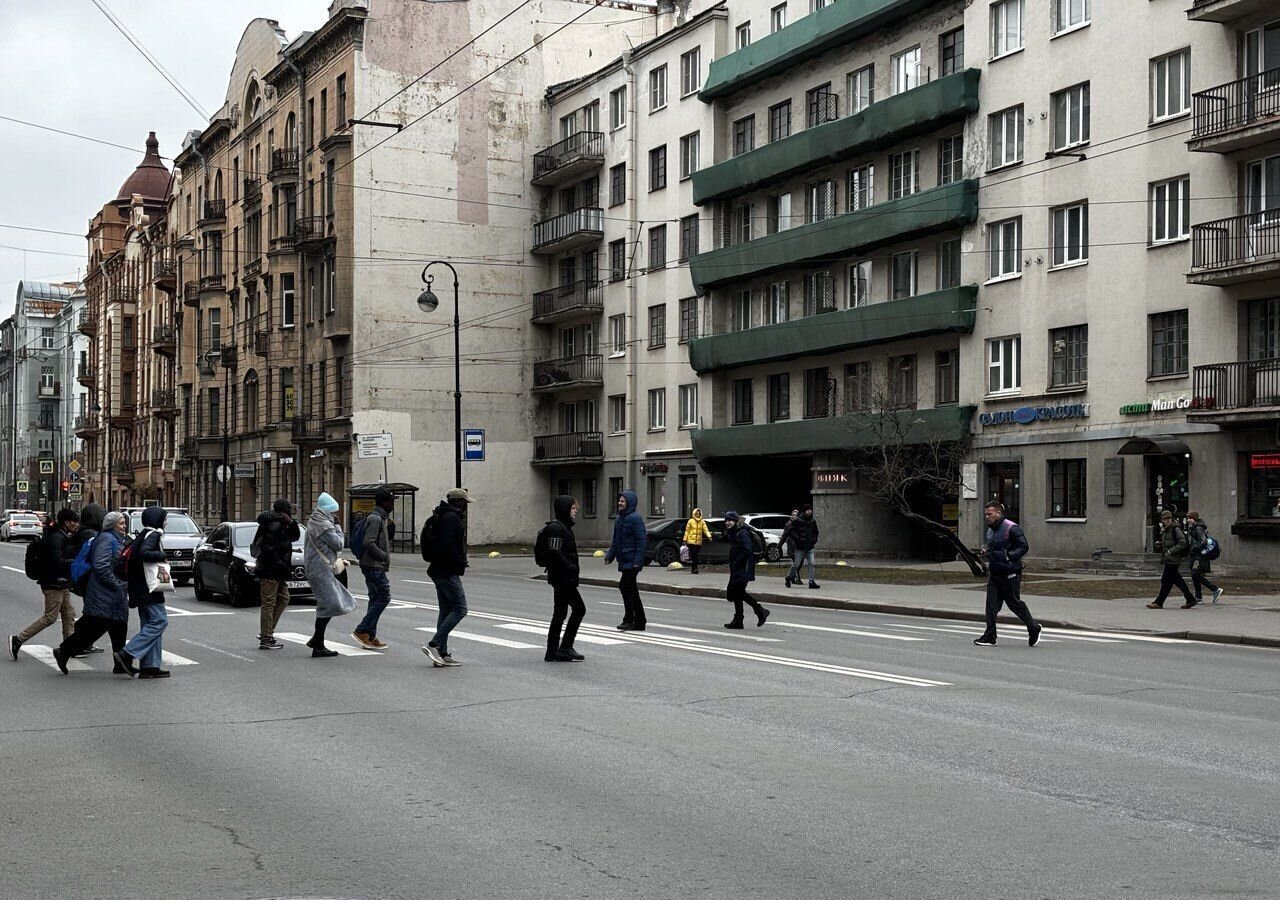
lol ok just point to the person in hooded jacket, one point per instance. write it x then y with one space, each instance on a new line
803 534
562 575
448 563
55 580
90 526
106 598
278 531
695 532
321 563
145 647
742 571
629 546
1198 536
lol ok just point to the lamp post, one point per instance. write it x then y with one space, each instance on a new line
428 302
212 357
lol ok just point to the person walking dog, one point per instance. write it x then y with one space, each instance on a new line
1006 545
742 571
695 532
1174 548
560 552
629 545
323 565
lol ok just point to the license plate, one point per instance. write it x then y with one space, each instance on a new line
297 585
180 564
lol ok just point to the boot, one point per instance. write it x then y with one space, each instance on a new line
571 653
322 652
154 673
761 615
735 625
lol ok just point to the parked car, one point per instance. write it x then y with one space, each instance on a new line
21 526
225 568
666 537
772 524
181 537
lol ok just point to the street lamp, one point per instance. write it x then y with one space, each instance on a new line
428 303
212 357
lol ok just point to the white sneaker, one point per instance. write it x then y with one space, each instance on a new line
1217 592
437 659
450 661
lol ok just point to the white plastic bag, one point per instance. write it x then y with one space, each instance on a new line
158 577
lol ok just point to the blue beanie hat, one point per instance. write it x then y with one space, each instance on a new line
326 503
731 516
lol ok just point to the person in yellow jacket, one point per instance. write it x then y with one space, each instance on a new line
695 532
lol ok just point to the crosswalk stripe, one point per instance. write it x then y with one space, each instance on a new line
724 632
173 659
486 639
179 611
854 631
45 655
582 635
343 649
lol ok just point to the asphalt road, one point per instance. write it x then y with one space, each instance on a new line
829 754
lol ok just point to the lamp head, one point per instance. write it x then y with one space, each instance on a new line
427 300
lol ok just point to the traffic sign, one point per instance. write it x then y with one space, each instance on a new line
23 487
373 446
74 492
74 465
473 445
46 467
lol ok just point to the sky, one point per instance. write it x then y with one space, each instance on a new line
64 65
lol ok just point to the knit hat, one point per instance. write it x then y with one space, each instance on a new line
110 519
326 503
731 516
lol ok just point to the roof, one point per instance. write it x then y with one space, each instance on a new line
150 178
43 290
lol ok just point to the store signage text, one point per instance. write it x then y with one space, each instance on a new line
1027 415
1159 405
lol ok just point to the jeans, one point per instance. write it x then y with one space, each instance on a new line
737 595
379 586
1170 578
567 602
275 599
57 602
1200 577
453 609
632 608
1005 589
145 645
802 556
89 628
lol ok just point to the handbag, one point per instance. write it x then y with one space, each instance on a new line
158 577
339 565
684 553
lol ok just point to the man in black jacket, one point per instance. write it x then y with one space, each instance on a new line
562 575
1006 545
804 538
444 546
277 533
57 550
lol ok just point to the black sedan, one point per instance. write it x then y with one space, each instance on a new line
666 537
224 567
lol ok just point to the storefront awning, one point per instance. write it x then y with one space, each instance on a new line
1155 445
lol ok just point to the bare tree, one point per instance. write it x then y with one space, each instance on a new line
899 455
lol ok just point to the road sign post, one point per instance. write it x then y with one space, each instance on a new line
473 445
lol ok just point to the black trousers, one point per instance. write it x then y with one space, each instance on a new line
568 602
1200 578
695 552
737 595
1170 578
632 608
1005 589
89 628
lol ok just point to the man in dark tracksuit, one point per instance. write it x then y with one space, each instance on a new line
1005 548
742 571
562 575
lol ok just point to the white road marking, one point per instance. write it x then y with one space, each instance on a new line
582 635
962 630
12 569
646 606
45 655
722 633
485 639
854 631
217 649
179 611
173 659
343 649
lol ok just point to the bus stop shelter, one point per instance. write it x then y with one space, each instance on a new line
404 513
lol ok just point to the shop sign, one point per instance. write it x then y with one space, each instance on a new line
1264 460
832 481
653 468
1029 415
1160 405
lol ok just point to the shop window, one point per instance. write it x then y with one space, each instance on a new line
1264 485
1067 493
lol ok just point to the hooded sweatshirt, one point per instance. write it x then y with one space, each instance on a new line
563 571
696 530
448 545
630 539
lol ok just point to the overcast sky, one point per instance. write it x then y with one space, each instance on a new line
64 65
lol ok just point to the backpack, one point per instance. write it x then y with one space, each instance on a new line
81 566
35 563
542 547
428 539
255 548
357 536
1212 549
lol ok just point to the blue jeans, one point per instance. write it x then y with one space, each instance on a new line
379 596
145 645
802 556
453 608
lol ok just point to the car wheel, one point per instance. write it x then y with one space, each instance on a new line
237 595
202 593
772 552
666 555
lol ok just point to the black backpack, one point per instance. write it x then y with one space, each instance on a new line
255 548
542 547
36 564
428 539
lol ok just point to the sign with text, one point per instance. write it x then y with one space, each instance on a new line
1028 415
245 470
373 446
832 481
473 445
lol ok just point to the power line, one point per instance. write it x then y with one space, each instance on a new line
149 57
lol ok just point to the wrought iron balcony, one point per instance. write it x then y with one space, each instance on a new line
191 293
87 425
252 192
1236 249
572 229
576 446
85 375
581 298
572 372
121 293
284 165
164 403
213 212
87 323
576 154
1236 391
164 272
122 470
308 430
309 233
1237 115
164 339
190 448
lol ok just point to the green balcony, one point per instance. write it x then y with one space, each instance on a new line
928 212
940 312
891 121
840 23
947 423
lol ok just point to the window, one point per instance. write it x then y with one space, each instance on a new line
657 496
779 399
1004 365
618 184
857 387
862 88
947 377
1069 354
690 72
742 223
46 338
688 237
1004 248
617 108
689 146
778 305
689 405
589 497
951 52
615 491
859 284
949 264
1263 490
906 70
214 417
341 118
657 247
744 135
688 319
215 328
128 337
821 106
657 89
657 409
861 187
817 393
779 218
1169 343
1067 492
1262 191
902 382
324 113
780 121
1006 137
658 168
617 413
1170 210
1264 328
902 275
657 326
1006 27
819 293
1070 116
742 413
1069 14
742 36
287 300
951 159
1171 85
778 18
46 378
742 311
617 260
618 333
1069 238
904 173
822 201
286 394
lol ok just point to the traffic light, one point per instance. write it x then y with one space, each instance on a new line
66 486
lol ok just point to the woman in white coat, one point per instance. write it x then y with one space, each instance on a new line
323 566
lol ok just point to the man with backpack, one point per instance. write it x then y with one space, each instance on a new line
1174 549
371 543
444 546
1006 545
1204 550
556 550
49 563
273 548
629 545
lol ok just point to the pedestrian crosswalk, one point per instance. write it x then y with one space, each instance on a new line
343 649
44 653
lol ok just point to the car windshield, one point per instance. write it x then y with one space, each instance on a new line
769 521
243 537
174 523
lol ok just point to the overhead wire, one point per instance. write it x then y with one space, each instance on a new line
149 57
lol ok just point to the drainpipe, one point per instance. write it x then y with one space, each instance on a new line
633 288
300 375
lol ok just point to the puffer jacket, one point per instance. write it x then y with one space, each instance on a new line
1174 545
630 538
742 555
275 546
107 595
1006 545
563 571
696 531
804 533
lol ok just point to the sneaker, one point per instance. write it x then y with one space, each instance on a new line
1033 636
985 641
378 643
270 644
1189 604
1154 605
364 640
449 661
61 659
761 616
437 658
787 581
626 623
735 625
90 650
125 661
154 673
1217 592
572 654
15 644
813 585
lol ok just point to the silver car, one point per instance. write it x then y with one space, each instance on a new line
21 526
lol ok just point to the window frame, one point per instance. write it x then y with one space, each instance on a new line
1160 83
1179 205
1060 217
952 55
997 249
617 413
946 378
1175 322
744 135
1069 369
780 127
657 88
999 49
618 108
777 18
899 170
1067 480
657 409
689 234
690 74
618 334
743 402
853 80
1056 28
778 397
658 168
690 149
950 163
617 185
657 326
657 247
688 409
687 315
1073 103
1009 361
1001 120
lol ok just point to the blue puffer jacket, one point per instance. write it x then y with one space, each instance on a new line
630 540
742 556
1006 545
107 595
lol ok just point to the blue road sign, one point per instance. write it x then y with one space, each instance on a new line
473 445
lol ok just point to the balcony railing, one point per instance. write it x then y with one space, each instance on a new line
574 370
85 375
1236 385
49 391
573 155
213 282
284 164
213 211
308 430
191 293
190 448
164 269
252 191
570 229
1237 104
122 469
87 323
308 231
121 293
164 402
164 338
576 445
585 296
1236 241
86 423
